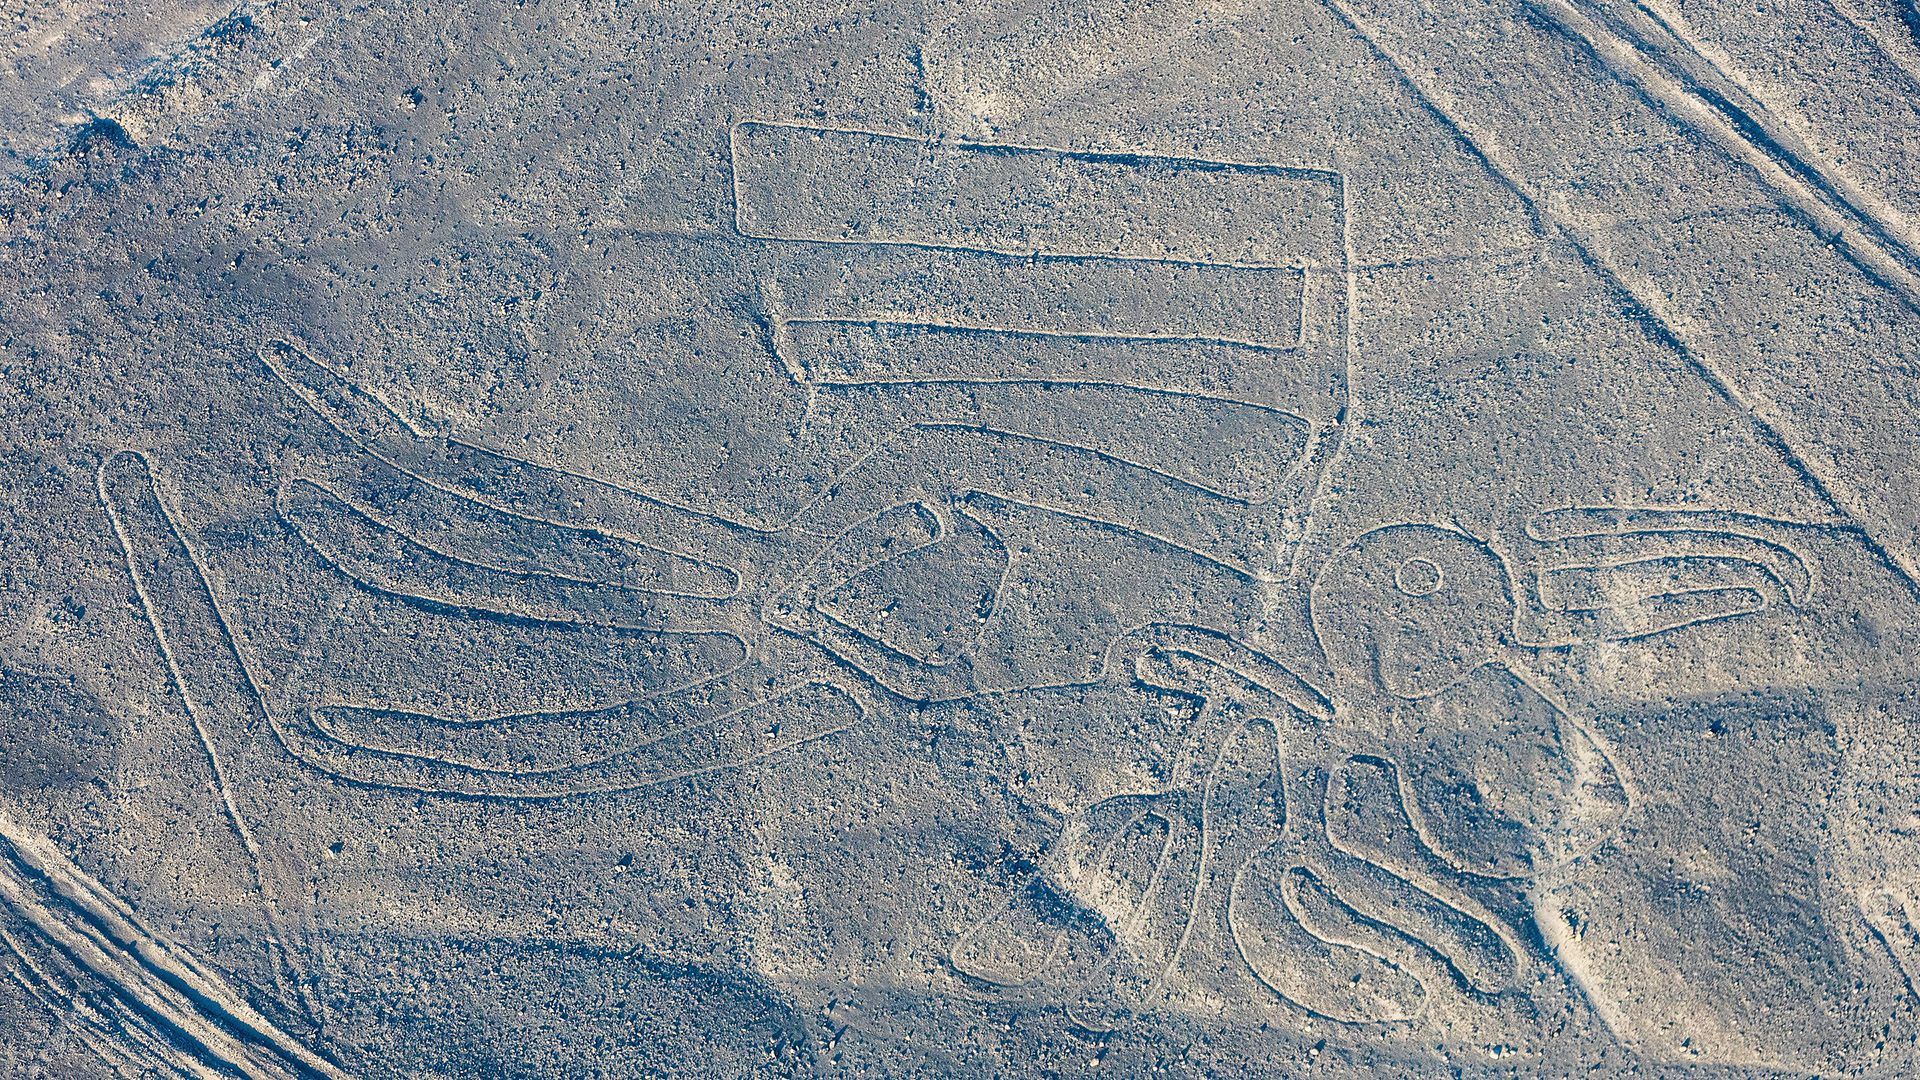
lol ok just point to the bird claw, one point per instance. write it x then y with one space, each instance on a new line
1623 573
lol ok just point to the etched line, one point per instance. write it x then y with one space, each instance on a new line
789 719
1327 979
1121 297
984 332
517 542
1890 918
95 930
491 477
1775 427
538 743
221 701
1643 45
844 352
1620 535
195 637
1399 877
842 185
381 559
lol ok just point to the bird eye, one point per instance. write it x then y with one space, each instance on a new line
1418 577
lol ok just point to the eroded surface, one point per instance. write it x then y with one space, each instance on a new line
1222 540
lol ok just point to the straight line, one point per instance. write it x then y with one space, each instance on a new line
1744 126
1107 157
1641 309
906 327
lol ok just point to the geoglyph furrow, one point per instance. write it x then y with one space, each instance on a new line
191 1004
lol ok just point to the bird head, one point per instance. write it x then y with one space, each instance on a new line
1413 608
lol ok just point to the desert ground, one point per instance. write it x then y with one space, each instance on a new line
1301 538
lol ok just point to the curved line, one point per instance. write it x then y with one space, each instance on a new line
339 556
1130 530
1207 840
388 525
1459 901
618 756
306 394
1300 871
1581 511
1677 621
823 608
320 718
1299 693
324 763
1240 947
1600 742
1672 521
1314 438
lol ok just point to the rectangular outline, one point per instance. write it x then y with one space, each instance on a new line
1062 335
1335 259
802 373
1297 339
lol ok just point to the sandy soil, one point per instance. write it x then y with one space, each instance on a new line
1317 538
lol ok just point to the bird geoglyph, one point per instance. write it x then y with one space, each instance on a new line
1367 858
1358 854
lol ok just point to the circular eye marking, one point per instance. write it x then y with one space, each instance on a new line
1419 577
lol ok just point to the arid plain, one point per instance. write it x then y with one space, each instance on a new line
1299 538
